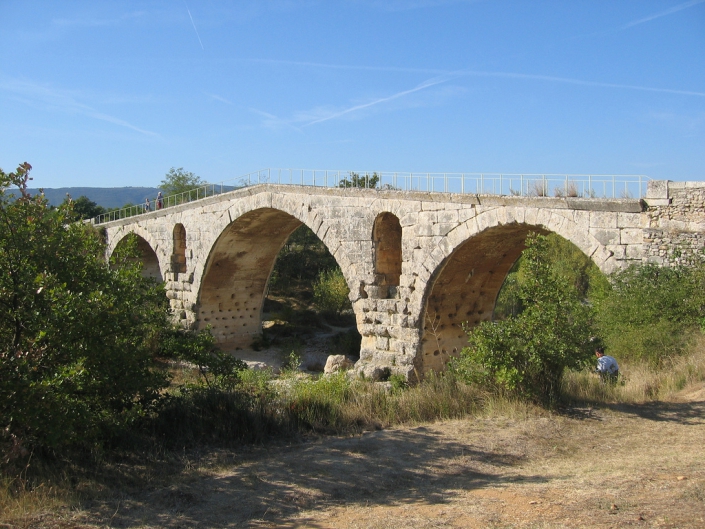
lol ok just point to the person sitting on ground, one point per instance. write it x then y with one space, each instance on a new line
606 366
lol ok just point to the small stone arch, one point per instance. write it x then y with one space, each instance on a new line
178 255
147 257
386 237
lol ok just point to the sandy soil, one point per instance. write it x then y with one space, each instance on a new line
640 466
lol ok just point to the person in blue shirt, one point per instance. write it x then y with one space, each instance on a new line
607 366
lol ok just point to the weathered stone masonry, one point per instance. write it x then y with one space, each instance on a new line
418 264
676 223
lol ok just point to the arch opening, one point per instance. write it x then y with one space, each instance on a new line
178 256
146 256
238 268
386 235
465 290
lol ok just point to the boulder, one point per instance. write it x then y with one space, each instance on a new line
337 363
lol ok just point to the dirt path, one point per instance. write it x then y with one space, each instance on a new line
641 466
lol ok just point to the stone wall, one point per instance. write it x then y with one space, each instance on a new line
675 234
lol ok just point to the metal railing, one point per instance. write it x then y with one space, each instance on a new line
536 185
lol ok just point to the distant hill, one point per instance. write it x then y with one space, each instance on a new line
108 197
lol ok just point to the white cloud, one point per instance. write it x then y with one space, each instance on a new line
66 101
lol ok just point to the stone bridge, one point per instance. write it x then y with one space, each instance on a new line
418 264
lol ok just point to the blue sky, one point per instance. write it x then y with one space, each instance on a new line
115 93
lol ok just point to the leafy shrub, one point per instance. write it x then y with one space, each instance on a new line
300 261
527 354
331 291
217 369
647 310
565 260
77 335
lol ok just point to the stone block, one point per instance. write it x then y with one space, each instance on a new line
432 206
448 217
424 230
631 236
442 229
427 217
602 219
617 250
631 220
467 213
657 189
605 236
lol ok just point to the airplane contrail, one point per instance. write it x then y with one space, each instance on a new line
194 25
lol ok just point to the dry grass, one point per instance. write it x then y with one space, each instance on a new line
493 462
639 381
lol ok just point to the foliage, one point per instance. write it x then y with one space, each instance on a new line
331 291
217 369
76 335
85 208
178 181
300 261
356 180
647 310
566 260
526 355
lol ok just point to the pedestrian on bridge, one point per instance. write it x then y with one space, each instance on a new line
160 200
147 205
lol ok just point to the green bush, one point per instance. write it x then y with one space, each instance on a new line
647 310
217 369
77 335
565 260
526 355
331 291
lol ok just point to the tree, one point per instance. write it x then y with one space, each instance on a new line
526 355
565 260
76 333
178 181
648 311
85 208
331 291
355 180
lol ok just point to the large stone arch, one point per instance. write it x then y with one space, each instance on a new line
470 269
151 266
234 277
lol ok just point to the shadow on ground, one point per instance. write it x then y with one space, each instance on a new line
379 468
